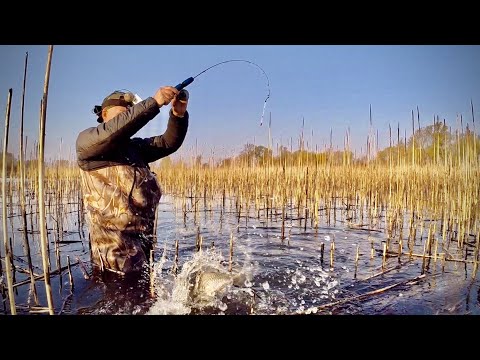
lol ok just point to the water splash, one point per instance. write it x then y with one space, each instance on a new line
175 292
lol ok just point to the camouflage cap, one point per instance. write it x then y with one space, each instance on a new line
117 98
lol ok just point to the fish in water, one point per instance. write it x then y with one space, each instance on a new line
209 282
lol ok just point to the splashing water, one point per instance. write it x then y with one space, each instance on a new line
202 282
205 286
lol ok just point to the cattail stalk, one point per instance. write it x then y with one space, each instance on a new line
384 255
8 265
22 192
230 262
322 250
41 191
70 276
175 260
372 250
357 255
332 249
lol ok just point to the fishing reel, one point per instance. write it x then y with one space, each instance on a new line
183 94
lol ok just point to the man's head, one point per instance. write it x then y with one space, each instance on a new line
114 104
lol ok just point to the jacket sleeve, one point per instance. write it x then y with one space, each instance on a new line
157 147
99 140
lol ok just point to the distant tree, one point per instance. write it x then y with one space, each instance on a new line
225 162
62 163
466 145
431 138
391 153
283 150
198 160
31 164
10 160
252 154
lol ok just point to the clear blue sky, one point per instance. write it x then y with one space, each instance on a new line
331 87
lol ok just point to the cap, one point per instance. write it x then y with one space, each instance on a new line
117 98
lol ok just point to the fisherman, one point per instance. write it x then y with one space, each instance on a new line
120 192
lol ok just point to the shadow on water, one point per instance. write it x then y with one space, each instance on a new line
128 294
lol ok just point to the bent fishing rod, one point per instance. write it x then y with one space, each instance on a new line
188 81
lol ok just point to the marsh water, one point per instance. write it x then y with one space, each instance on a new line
301 273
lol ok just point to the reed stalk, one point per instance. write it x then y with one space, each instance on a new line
8 250
23 217
41 184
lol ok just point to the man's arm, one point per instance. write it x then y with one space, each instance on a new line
157 147
96 141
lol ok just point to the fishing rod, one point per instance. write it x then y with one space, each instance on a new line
188 81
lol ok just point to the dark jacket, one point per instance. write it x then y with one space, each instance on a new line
120 192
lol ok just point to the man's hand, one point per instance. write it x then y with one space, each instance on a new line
180 106
164 95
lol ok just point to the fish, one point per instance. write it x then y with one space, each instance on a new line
207 283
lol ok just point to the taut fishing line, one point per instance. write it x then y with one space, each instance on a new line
191 79
188 81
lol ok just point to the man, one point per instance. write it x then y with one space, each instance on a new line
120 192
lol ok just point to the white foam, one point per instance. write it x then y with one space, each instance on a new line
173 292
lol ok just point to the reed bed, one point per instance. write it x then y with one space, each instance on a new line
435 203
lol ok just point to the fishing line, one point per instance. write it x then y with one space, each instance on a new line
188 81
